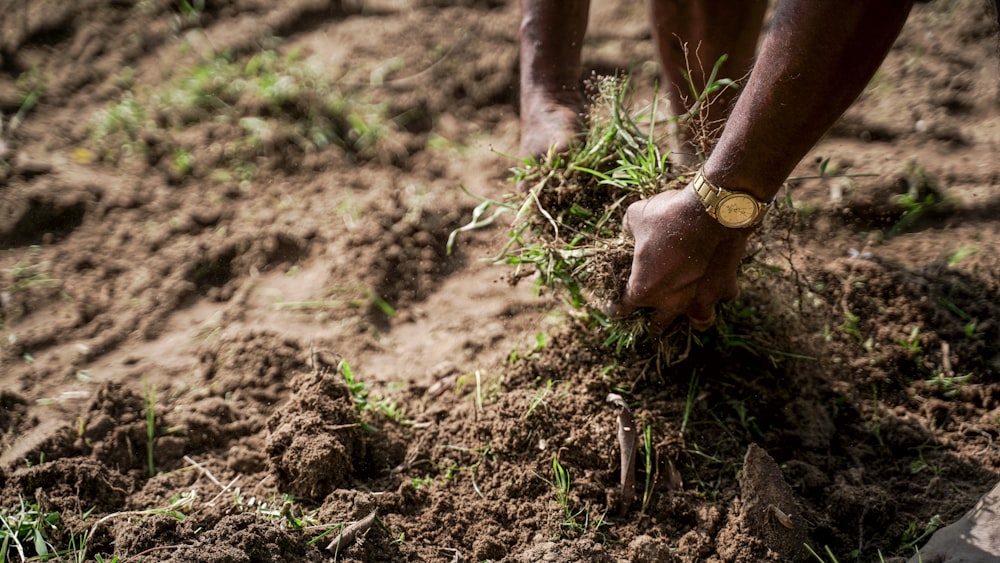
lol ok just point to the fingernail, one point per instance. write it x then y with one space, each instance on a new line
611 309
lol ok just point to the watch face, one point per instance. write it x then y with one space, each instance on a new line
737 210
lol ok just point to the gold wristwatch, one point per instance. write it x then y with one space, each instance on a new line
735 210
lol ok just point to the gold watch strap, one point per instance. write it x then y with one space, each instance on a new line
707 192
710 195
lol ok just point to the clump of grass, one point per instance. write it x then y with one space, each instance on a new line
567 227
29 274
366 401
28 280
269 103
31 87
25 530
567 232
576 521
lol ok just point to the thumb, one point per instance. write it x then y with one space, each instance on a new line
617 310
620 309
632 213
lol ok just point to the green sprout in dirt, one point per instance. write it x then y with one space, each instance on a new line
829 557
183 162
689 403
191 9
913 210
30 87
922 194
748 422
538 399
911 344
25 530
150 401
948 385
562 484
827 552
178 509
286 509
874 423
851 324
28 275
915 534
575 521
650 460
922 463
354 297
365 401
480 454
961 254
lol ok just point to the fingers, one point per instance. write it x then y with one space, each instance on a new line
701 312
681 265
719 285
701 318
660 320
632 213
700 309
618 310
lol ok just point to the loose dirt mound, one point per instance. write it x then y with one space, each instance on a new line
230 323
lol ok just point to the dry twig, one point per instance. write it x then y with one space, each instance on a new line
349 534
626 441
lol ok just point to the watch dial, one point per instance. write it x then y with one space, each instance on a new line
737 210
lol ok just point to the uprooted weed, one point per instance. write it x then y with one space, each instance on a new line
567 229
249 108
567 232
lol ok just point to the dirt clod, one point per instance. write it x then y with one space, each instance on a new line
769 523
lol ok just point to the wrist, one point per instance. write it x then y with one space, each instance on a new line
761 186
730 208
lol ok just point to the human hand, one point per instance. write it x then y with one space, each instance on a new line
684 260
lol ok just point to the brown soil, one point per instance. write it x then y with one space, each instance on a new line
850 395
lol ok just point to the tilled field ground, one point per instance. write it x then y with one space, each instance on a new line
209 210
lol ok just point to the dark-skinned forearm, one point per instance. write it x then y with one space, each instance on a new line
817 58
